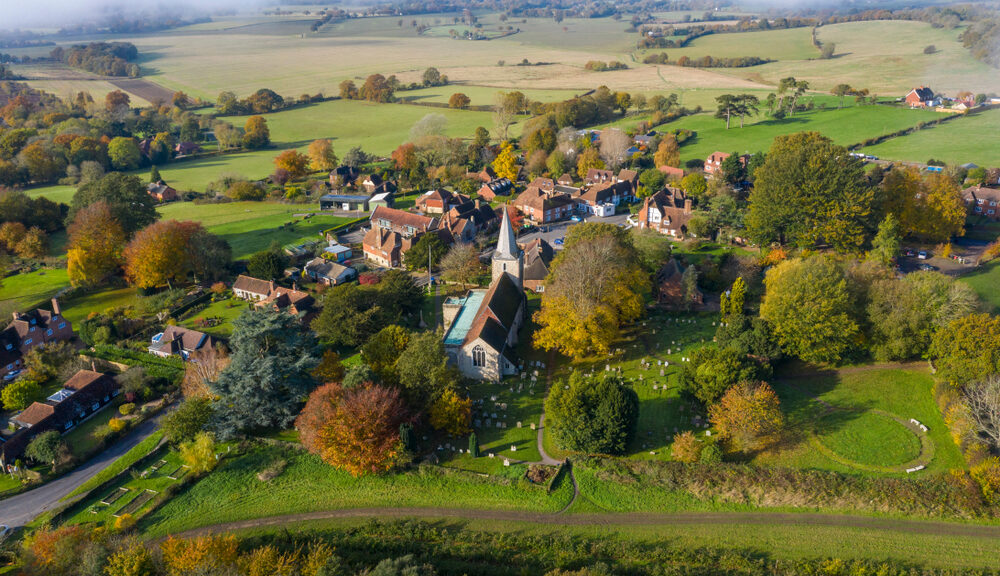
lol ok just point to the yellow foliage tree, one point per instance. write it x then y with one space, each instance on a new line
96 240
295 162
202 555
157 254
321 155
505 164
133 559
451 413
668 153
199 454
928 207
747 415
589 158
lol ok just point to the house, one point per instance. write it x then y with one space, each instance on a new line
602 199
186 148
668 212
439 201
179 341
486 175
465 221
481 328
541 208
983 201
291 300
161 192
83 395
598 176
338 252
252 289
494 188
538 256
643 140
393 232
30 330
630 177
543 184
670 286
671 172
920 97
406 223
565 180
343 176
346 202
374 183
714 162
327 272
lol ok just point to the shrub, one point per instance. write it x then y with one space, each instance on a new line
117 424
126 409
686 447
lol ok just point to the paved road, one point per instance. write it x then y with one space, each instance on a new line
23 508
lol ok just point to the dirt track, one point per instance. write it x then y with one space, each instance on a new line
616 519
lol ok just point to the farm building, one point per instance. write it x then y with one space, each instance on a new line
921 97
161 192
346 202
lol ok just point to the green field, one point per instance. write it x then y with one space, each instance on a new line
985 280
20 291
869 439
790 44
481 95
80 307
955 142
233 491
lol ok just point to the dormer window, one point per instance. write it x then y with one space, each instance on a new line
33 320
9 346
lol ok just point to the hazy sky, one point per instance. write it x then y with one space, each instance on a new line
58 13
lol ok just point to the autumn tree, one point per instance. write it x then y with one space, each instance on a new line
115 100
330 368
505 164
808 304
589 158
747 415
967 348
451 413
348 90
256 134
831 202
377 89
596 417
929 207
459 101
668 153
592 290
356 429
269 373
210 554
124 153
685 447
125 196
461 264
199 453
295 162
131 559
168 251
614 147
322 156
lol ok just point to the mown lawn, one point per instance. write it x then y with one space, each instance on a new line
79 308
21 291
985 280
217 318
233 491
129 458
83 440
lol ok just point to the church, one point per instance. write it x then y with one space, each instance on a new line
480 328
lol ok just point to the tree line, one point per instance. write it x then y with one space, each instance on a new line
706 61
105 58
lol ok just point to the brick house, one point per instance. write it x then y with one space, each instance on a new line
439 201
920 97
538 256
30 330
392 233
983 201
161 192
672 173
668 212
328 272
499 187
541 208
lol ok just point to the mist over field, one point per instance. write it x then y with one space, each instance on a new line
59 13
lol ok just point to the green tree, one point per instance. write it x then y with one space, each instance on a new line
382 350
713 370
885 246
125 196
48 447
694 185
967 349
18 394
187 420
807 303
416 257
199 453
351 314
728 105
267 264
268 376
748 336
557 164
124 153
737 297
423 369
829 202
595 417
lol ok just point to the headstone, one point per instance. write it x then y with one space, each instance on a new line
518 423
513 448
506 462
492 455
533 425
498 424
708 432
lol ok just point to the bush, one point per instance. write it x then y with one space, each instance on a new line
117 424
126 409
686 447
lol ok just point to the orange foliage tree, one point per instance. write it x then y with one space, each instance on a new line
96 240
295 162
747 415
202 555
451 413
55 551
354 429
169 250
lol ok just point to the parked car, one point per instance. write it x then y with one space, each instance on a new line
574 218
909 252
922 255
558 241
927 267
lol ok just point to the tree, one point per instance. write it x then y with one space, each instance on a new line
154 174
20 393
267 264
747 104
505 164
348 91
168 251
188 420
432 77
133 559
199 453
116 99
383 349
732 170
596 417
461 264
694 185
321 155
589 158
96 241
330 368
747 415
653 248
712 371
592 290
685 447
451 413
350 315
668 153
48 447
416 258
354 429
982 402
737 298
268 376
504 110
459 101
842 90
124 153
807 303
929 208
830 202
885 246
967 349
423 369
125 196
473 444
728 106
256 134
264 100
614 147
295 162
377 89
748 336
557 163
690 295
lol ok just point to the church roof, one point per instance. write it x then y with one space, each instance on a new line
507 243
500 304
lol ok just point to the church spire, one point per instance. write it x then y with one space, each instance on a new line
507 243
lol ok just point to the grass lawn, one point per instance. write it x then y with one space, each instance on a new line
219 317
233 491
954 142
790 44
129 458
253 226
985 280
7 482
82 440
870 438
21 291
482 95
103 299
62 194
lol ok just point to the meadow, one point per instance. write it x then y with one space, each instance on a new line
956 142
20 291
782 45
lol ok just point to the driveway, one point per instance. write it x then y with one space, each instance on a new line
23 508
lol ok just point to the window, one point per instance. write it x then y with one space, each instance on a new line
48 332
478 356
9 346
27 342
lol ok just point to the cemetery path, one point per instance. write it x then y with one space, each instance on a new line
546 459
621 519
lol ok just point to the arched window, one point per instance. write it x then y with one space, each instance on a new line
478 356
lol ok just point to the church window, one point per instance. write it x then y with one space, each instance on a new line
478 356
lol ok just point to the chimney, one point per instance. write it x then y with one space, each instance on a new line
270 287
687 205
55 306
477 203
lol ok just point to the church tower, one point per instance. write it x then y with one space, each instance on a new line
508 257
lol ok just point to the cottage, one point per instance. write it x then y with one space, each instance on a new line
494 188
982 201
481 328
253 289
541 208
538 256
487 174
343 176
598 176
668 212
327 272
921 97
602 199
291 300
186 148
345 202
671 172
161 192
714 162
565 180
179 341
30 330
439 201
